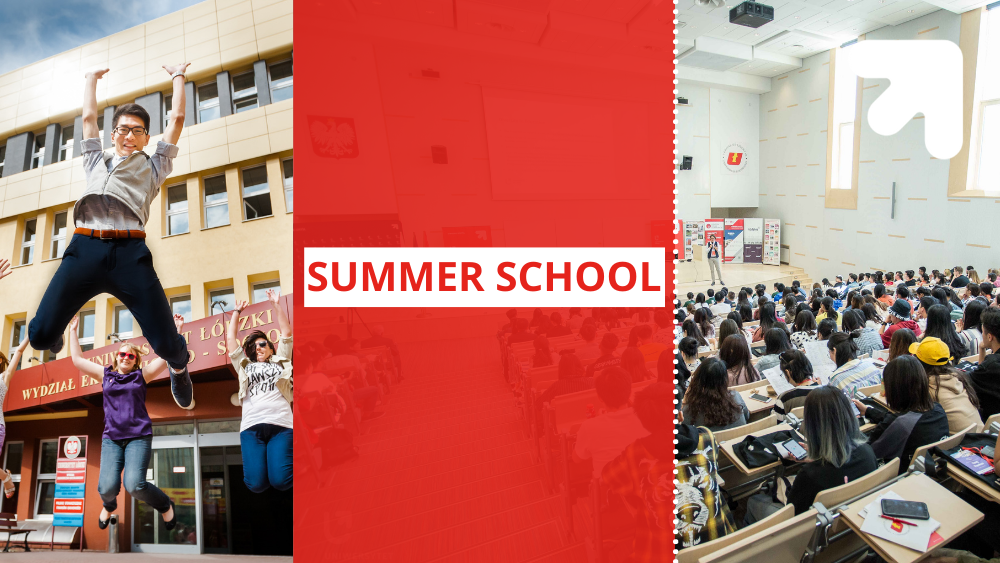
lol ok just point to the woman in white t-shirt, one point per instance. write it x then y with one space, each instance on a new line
265 394
970 328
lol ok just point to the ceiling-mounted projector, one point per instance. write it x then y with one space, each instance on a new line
751 14
715 3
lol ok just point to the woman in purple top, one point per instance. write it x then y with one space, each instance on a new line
128 431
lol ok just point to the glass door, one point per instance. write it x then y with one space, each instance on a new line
173 468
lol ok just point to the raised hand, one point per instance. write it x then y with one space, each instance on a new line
98 74
179 322
273 295
74 322
174 69
4 268
240 305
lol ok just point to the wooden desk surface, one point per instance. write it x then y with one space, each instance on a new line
754 405
955 515
727 450
975 485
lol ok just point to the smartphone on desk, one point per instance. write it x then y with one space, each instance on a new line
905 509
761 398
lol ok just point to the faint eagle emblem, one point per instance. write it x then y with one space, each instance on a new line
333 137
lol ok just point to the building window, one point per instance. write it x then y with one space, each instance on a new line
260 290
216 202
256 193
85 330
281 81
168 100
46 481
244 92
181 305
38 156
222 295
66 146
286 169
123 322
58 235
28 242
17 335
177 209
208 102
12 458
3 157
988 93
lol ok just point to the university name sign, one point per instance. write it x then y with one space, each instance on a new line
59 380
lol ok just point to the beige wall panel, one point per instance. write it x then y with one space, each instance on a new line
55 196
249 148
24 186
210 158
19 205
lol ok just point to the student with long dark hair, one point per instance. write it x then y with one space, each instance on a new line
901 341
797 369
838 454
776 342
969 327
709 402
939 326
827 310
850 372
908 395
703 318
767 320
869 340
804 329
948 386
543 356
735 353
882 296
872 315
690 329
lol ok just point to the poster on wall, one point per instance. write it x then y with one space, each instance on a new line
753 241
772 242
71 478
699 238
715 228
734 241
690 233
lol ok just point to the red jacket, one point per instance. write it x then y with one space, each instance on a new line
887 335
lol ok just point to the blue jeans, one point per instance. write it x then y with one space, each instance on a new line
267 457
132 455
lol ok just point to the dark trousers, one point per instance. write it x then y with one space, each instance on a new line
121 267
267 457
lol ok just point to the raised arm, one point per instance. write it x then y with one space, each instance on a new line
4 268
177 104
90 130
283 323
86 366
15 360
232 342
156 367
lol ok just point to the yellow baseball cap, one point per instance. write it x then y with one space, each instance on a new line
931 351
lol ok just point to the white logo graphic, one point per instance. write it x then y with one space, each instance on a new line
925 77
72 447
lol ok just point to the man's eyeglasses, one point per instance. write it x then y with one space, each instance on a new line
123 131
128 355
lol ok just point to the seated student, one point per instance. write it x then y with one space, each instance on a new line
971 294
826 329
635 364
969 327
985 378
901 341
799 372
536 318
603 437
664 329
767 320
557 328
908 395
511 321
869 340
838 454
728 328
575 320
804 329
850 372
709 402
776 342
690 328
881 295
711 297
650 349
589 348
948 386
873 312
572 378
920 314
827 309
939 326
690 299
607 358
898 317
790 309
543 355
644 474
520 332
736 355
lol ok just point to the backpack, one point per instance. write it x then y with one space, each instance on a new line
760 451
